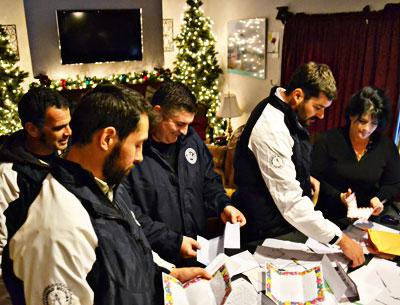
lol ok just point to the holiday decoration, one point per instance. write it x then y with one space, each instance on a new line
11 78
158 75
196 64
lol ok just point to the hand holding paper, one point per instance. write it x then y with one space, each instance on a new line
232 214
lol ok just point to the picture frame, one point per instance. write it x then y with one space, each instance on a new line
168 34
247 47
11 30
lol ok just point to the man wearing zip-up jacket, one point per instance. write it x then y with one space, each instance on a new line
176 184
272 164
74 243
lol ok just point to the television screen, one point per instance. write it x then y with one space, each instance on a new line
89 36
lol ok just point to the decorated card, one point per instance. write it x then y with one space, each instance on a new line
294 288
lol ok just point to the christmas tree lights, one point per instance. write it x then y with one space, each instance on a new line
196 64
11 78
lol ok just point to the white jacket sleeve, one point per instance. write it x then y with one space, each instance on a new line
272 146
9 191
54 250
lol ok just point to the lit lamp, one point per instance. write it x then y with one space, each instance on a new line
229 109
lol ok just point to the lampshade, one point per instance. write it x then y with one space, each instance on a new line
229 107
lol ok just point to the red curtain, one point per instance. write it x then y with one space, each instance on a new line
361 48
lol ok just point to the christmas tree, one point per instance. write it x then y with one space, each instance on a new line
11 78
196 64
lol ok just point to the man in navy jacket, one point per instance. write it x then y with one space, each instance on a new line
176 184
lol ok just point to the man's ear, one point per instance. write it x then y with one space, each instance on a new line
297 97
157 108
32 130
108 138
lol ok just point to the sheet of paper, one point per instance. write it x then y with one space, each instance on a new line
199 292
284 244
257 277
209 249
389 273
368 284
365 225
320 248
235 264
216 263
221 285
243 293
337 285
294 287
353 211
232 236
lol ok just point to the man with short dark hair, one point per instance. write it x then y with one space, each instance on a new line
26 154
74 243
176 184
272 164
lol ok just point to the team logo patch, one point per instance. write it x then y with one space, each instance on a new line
57 294
276 161
191 155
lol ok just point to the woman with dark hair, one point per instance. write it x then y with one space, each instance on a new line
357 158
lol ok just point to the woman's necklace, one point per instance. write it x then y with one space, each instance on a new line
360 150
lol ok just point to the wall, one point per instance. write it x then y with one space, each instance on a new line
43 37
12 12
248 90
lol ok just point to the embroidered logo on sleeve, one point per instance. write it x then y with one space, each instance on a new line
57 294
191 155
276 161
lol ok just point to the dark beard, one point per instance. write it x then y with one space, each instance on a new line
112 172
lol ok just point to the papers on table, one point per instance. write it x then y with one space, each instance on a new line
320 248
243 293
378 282
235 264
365 225
211 248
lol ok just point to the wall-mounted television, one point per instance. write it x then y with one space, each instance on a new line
90 36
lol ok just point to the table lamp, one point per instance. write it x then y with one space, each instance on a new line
229 109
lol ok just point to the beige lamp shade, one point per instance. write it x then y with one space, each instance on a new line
229 107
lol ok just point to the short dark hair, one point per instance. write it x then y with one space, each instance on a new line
370 100
104 106
313 79
33 105
173 96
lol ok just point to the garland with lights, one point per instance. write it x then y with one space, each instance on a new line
86 82
196 64
11 78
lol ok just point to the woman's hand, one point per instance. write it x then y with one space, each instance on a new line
377 205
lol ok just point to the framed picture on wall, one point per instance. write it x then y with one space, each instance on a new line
11 31
168 34
246 47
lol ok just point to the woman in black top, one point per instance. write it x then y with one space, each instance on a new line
357 158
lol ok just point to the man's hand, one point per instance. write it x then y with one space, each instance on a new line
189 247
352 250
233 215
377 205
186 274
315 187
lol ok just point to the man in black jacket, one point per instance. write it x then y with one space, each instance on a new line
74 243
176 183
26 154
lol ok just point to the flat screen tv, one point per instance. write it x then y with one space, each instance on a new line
89 36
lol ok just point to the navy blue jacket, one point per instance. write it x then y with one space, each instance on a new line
181 199
82 247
